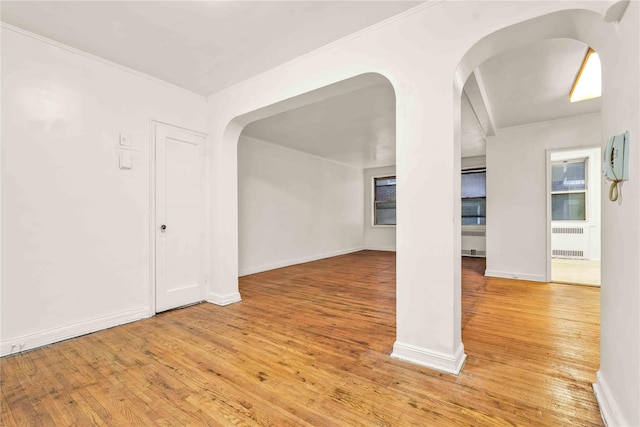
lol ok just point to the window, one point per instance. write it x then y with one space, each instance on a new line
474 197
384 200
569 190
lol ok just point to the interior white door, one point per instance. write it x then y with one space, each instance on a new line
180 217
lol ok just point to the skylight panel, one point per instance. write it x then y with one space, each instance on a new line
588 82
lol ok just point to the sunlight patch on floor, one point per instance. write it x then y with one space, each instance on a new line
575 271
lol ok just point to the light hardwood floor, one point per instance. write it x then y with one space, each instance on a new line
309 346
575 271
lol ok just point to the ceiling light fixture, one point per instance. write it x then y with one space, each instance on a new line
588 82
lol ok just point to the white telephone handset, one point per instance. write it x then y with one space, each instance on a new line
616 162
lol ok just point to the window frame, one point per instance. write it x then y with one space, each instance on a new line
374 202
585 162
468 171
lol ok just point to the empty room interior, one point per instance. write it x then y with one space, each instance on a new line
320 213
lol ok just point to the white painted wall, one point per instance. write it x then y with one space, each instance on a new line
380 238
517 229
618 380
473 162
75 227
294 207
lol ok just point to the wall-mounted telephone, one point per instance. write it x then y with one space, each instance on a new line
616 162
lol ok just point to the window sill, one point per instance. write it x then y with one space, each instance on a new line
383 226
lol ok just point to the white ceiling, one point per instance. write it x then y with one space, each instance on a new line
475 121
532 84
518 87
205 46
356 128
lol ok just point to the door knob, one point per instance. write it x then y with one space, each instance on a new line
163 227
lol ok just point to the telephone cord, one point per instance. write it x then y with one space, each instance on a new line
613 191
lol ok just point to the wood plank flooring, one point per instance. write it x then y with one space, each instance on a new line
575 271
309 346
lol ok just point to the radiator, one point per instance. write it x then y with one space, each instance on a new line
564 253
567 230
570 242
474 252
474 242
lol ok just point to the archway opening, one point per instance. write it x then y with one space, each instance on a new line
519 126
316 211
306 177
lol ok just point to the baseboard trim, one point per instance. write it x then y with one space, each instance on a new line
451 364
516 276
295 261
381 248
609 409
51 336
223 300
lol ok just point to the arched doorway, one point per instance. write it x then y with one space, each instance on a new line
590 28
428 273
303 176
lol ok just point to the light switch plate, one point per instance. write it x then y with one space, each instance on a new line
126 161
125 139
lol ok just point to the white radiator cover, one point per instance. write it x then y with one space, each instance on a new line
572 241
474 241
567 241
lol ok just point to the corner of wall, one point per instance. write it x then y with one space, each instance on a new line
611 413
223 300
